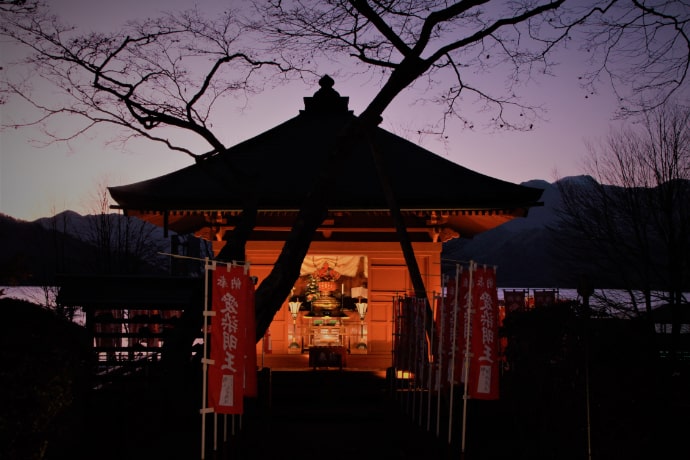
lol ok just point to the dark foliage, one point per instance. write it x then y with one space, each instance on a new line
560 365
43 376
574 383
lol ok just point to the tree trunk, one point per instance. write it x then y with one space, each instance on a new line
401 230
275 288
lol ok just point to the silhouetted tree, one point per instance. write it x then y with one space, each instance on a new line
631 226
169 72
575 384
17 6
122 244
405 40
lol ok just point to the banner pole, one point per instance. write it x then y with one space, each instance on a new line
215 432
402 351
425 359
394 385
454 340
205 364
439 372
413 357
411 348
466 365
431 365
420 358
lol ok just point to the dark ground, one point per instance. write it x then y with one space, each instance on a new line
307 414
639 408
333 414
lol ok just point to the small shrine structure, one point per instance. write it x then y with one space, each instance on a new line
438 200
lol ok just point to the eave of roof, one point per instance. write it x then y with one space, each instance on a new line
278 167
466 223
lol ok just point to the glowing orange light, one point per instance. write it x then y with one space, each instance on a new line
404 375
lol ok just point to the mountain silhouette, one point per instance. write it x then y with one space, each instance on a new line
521 249
32 252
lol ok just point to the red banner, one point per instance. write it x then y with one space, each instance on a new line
451 336
229 334
544 298
441 346
514 300
452 324
484 362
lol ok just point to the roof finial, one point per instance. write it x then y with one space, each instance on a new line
326 99
326 81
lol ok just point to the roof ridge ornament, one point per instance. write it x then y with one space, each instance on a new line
326 100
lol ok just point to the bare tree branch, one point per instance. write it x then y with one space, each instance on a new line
631 224
642 51
17 6
172 71
165 72
463 41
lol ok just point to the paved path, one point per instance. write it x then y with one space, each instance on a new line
324 414
332 415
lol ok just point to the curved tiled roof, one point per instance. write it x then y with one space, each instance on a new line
278 168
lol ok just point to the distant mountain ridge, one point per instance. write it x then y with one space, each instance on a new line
524 249
32 253
519 248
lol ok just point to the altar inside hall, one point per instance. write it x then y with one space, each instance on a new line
328 307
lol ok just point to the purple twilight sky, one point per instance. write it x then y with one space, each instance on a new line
40 181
